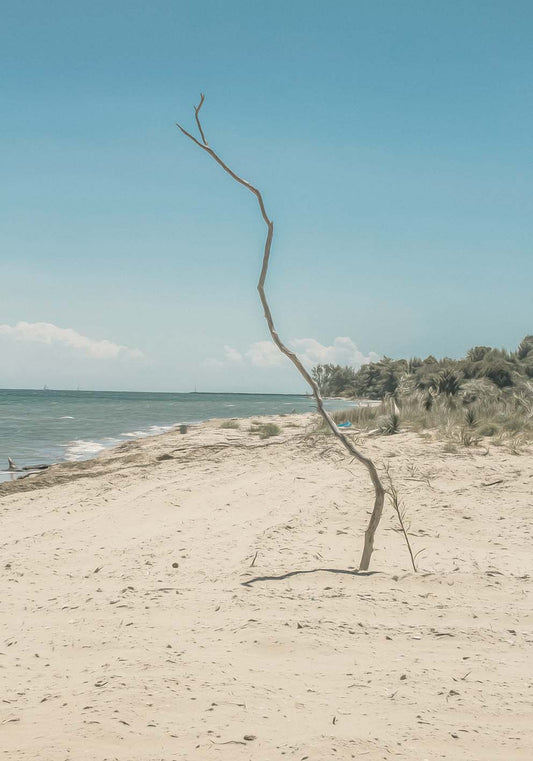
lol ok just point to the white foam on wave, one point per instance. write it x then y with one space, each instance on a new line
153 430
66 417
82 450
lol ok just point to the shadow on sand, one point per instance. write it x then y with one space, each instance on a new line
300 573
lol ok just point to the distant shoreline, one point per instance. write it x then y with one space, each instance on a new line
170 393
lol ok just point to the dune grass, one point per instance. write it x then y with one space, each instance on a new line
464 420
230 424
265 430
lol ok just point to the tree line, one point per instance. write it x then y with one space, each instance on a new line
500 369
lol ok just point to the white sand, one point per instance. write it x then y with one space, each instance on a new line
109 652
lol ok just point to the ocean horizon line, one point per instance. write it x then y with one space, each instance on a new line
198 393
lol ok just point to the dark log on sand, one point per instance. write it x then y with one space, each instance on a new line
13 468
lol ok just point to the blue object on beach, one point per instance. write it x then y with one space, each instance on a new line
347 424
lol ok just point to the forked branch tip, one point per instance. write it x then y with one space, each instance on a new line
196 114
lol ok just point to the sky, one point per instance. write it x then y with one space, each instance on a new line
392 142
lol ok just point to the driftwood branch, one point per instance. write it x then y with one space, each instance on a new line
348 445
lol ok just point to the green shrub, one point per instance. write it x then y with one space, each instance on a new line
471 418
468 438
488 429
269 429
265 430
230 424
487 394
390 424
387 377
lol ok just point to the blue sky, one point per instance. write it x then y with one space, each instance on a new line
392 143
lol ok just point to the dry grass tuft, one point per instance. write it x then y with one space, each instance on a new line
230 424
478 413
265 430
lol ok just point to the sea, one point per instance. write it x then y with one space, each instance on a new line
47 426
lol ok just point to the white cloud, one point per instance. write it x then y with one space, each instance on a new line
342 351
231 354
264 354
231 357
46 333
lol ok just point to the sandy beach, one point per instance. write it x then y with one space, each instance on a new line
196 597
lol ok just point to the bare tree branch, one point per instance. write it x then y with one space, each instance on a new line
348 445
196 112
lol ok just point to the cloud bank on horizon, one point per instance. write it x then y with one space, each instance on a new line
343 351
102 363
47 333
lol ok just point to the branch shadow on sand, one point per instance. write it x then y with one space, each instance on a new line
288 575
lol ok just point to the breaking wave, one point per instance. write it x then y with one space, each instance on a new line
82 450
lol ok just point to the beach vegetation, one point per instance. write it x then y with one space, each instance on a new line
389 377
480 410
468 437
449 448
268 430
488 393
265 430
404 525
389 424
230 424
